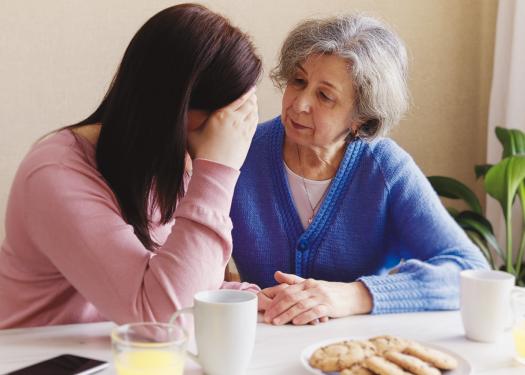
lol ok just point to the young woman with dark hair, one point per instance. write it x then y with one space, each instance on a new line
125 215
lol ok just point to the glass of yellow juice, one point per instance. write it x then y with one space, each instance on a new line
149 348
518 329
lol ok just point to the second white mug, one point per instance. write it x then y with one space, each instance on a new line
225 322
485 303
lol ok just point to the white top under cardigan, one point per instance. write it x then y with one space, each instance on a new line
316 191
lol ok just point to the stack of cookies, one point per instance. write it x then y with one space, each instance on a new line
382 355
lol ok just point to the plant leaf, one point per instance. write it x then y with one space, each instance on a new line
478 241
473 221
454 189
481 170
503 179
453 211
512 140
521 251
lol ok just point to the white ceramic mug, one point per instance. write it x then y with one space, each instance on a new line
225 322
485 303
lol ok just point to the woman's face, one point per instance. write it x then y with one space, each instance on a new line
318 102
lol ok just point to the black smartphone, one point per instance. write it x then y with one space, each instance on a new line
65 364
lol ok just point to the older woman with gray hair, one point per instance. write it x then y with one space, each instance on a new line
330 217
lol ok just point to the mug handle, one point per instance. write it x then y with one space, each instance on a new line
174 317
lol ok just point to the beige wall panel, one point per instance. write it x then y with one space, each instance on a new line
57 58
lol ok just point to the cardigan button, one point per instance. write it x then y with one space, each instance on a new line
303 245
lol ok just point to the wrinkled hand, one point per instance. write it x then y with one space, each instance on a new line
266 296
226 135
303 301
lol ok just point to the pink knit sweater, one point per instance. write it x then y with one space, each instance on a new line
69 256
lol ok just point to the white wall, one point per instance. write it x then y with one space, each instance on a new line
57 58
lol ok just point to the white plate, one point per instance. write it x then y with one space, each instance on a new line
463 368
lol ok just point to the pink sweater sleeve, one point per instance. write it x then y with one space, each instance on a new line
241 286
75 221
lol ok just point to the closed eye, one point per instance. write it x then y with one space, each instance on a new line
298 81
325 97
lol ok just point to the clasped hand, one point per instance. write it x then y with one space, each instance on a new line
308 301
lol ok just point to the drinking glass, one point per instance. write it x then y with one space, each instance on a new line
149 348
518 329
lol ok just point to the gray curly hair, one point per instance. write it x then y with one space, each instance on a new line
378 65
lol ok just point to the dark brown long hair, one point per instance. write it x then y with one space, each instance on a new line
184 57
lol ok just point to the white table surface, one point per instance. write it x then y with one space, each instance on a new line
277 349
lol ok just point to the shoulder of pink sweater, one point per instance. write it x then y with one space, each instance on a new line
58 149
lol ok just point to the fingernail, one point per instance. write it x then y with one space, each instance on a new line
276 321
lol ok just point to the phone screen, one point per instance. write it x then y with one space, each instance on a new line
66 364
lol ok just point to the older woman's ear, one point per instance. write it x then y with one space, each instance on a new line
370 128
353 131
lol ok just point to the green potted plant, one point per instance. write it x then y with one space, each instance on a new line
505 182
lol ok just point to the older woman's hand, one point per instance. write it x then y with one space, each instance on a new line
303 301
265 296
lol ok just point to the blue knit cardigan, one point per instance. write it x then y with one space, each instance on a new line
381 223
